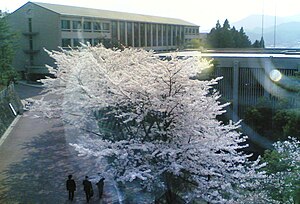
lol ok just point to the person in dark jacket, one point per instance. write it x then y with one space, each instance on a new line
71 187
88 188
100 185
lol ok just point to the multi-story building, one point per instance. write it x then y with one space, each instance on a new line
51 26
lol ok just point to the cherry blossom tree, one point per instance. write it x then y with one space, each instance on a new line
152 122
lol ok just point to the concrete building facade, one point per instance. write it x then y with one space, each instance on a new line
51 26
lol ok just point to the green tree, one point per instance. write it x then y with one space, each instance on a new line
262 42
256 44
259 44
244 42
254 118
214 36
292 124
227 37
195 43
7 39
283 168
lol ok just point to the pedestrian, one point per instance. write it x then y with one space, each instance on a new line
100 185
88 188
71 187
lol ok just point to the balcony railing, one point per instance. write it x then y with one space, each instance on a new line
30 33
31 51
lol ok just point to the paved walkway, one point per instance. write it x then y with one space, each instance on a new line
35 160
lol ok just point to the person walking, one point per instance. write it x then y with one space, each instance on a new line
71 187
100 185
88 189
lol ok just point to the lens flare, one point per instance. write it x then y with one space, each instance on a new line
275 75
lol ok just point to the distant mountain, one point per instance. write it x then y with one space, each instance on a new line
287 30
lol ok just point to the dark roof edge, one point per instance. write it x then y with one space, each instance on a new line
37 4
29 2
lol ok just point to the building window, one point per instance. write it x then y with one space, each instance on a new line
122 32
195 30
97 41
88 40
87 26
169 35
129 34
101 27
65 25
181 35
30 24
66 42
154 36
159 35
148 35
105 42
77 25
76 42
174 35
164 35
97 26
114 34
178 41
136 35
142 27
106 26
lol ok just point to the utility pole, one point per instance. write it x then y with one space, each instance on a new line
262 25
262 19
275 23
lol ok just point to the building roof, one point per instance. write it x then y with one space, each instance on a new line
105 14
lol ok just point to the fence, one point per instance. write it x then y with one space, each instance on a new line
4 93
10 105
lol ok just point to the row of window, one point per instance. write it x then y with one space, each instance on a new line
87 26
193 31
75 42
147 35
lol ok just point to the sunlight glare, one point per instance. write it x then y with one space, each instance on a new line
275 75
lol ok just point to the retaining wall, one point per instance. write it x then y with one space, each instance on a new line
9 100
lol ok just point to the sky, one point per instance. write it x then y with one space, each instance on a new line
204 13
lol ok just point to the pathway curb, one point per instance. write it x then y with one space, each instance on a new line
31 85
9 129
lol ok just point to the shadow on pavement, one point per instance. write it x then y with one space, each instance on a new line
41 176
25 91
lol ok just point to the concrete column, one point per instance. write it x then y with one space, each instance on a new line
132 30
162 35
139 34
180 35
172 28
146 30
176 36
126 43
118 28
167 35
235 91
151 34
156 35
